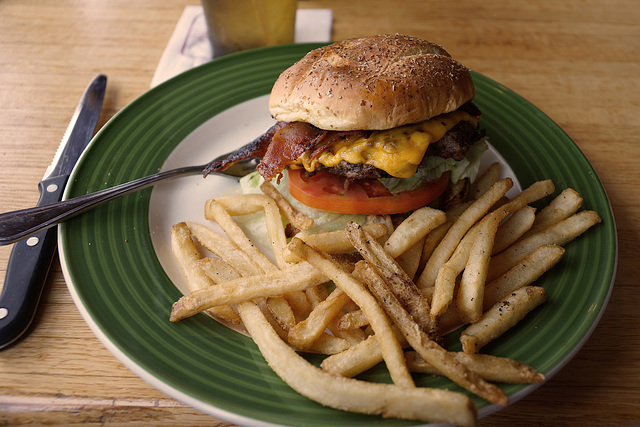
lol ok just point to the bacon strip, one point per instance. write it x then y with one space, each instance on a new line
287 145
256 148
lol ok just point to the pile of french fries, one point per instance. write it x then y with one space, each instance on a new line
385 292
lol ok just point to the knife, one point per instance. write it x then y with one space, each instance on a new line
31 258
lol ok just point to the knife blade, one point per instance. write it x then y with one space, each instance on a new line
31 258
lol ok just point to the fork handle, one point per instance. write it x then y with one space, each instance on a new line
23 223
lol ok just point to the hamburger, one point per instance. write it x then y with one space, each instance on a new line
375 125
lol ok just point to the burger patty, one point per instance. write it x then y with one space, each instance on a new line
455 144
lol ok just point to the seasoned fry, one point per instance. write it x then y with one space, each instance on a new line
524 273
491 368
469 217
558 234
296 277
501 317
427 348
425 404
513 228
294 216
401 284
357 292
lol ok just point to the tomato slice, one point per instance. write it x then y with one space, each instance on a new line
329 192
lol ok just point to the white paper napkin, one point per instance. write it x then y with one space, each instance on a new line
189 46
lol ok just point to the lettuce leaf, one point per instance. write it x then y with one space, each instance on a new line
433 167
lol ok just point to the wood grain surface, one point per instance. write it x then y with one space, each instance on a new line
576 60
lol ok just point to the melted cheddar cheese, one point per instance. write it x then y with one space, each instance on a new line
397 151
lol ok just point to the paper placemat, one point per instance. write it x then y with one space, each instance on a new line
189 45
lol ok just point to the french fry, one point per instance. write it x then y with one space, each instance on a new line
471 291
513 228
214 210
217 269
223 248
443 290
484 182
352 336
401 284
466 220
424 404
433 239
501 317
352 320
296 277
223 208
334 242
382 219
524 273
325 344
491 368
427 348
294 216
413 229
355 360
357 292
303 334
560 234
562 207
281 311
299 302
188 256
455 194
534 192
358 358
316 294
273 222
409 260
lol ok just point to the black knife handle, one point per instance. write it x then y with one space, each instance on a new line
27 272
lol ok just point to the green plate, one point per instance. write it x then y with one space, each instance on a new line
115 264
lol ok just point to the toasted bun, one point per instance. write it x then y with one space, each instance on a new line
377 82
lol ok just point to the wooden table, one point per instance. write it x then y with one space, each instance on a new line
577 60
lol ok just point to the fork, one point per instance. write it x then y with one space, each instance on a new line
20 224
